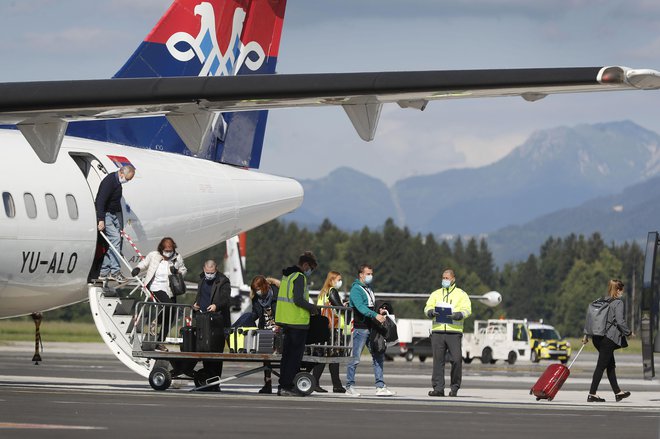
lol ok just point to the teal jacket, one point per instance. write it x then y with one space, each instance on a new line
359 301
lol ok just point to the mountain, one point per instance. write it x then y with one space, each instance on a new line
626 216
553 169
350 199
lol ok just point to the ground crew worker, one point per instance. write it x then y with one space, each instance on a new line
448 307
292 314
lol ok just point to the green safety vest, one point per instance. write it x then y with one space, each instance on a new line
287 312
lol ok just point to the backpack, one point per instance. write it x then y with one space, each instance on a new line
597 322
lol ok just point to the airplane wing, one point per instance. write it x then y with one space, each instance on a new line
41 110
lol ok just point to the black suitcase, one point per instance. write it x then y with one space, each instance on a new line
319 331
189 335
210 332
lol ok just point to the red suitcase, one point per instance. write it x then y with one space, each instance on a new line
552 379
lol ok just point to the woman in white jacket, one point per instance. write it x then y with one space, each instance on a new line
160 264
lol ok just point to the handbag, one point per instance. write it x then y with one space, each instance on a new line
177 284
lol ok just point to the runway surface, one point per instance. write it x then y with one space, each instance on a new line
81 390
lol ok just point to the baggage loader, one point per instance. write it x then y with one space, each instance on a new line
552 379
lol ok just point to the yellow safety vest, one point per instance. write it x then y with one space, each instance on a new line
287 312
459 301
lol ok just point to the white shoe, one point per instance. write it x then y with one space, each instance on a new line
384 391
350 391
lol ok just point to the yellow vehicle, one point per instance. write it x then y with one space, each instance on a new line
547 344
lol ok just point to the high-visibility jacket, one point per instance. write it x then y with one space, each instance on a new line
459 301
287 312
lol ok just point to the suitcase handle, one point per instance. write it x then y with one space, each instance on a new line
576 356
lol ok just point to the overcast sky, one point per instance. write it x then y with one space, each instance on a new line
82 39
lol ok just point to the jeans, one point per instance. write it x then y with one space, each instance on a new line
113 225
360 338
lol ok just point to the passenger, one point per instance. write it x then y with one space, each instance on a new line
329 296
160 264
213 293
363 302
292 314
110 219
264 299
448 334
614 338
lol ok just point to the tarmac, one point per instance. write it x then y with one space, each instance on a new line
494 401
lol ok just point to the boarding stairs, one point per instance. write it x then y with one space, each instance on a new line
115 309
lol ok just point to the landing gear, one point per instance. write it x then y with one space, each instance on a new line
37 317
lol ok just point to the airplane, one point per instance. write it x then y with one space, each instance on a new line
188 109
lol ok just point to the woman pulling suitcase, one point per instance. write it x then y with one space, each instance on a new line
614 337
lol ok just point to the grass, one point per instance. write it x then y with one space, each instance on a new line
22 329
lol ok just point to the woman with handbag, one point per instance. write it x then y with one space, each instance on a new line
162 265
329 296
614 338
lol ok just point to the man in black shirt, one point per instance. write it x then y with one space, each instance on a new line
110 218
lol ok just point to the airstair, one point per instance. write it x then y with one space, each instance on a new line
114 312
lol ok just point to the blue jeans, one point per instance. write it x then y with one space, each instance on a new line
360 338
110 263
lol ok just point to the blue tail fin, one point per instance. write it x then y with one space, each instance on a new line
202 38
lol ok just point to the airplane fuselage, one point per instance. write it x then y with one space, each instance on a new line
48 234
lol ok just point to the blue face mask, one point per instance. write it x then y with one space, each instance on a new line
368 278
308 272
446 283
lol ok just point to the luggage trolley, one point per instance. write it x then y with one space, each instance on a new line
329 341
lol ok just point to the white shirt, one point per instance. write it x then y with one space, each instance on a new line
161 281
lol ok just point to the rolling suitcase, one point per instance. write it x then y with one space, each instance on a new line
264 341
210 332
552 379
237 340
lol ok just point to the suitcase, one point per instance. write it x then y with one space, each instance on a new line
318 332
552 379
260 341
188 334
237 339
210 332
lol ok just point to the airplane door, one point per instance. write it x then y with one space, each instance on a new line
93 171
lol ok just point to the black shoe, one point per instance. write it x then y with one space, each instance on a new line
267 388
339 389
437 393
453 392
622 395
594 398
288 392
319 389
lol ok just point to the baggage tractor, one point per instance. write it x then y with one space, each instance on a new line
210 332
552 379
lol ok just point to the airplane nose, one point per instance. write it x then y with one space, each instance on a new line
264 197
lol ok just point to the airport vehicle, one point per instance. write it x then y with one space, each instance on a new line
546 343
494 340
188 111
413 339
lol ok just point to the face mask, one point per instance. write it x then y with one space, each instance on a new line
368 278
209 276
446 283
168 254
338 284
122 179
308 272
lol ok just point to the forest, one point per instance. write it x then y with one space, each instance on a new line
555 285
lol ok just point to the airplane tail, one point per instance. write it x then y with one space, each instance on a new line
201 38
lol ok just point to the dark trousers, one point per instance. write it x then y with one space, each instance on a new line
165 318
605 361
317 371
293 348
440 342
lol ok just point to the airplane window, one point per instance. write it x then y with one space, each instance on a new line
51 206
30 205
72 206
8 201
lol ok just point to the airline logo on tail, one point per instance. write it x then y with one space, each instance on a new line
206 48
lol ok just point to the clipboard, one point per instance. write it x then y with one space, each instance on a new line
443 313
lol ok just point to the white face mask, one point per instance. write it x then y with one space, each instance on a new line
168 254
209 276
368 278
122 179
338 284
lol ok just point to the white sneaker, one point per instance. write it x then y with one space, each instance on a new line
384 391
350 391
